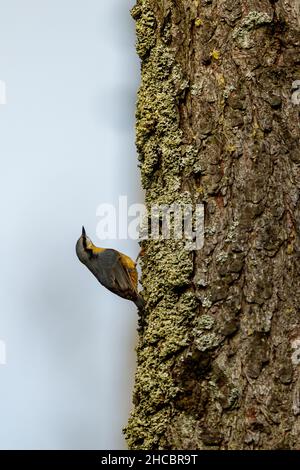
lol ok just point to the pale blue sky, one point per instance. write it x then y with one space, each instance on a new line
66 145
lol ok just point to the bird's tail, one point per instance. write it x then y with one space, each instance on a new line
139 302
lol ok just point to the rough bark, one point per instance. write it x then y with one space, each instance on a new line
219 353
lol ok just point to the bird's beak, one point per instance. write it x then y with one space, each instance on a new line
83 232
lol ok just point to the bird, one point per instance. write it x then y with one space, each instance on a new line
114 270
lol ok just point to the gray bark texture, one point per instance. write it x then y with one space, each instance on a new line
218 124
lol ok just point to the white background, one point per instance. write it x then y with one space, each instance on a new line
66 146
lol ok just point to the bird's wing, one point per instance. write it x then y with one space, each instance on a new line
119 276
130 266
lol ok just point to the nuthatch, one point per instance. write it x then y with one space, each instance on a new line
114 270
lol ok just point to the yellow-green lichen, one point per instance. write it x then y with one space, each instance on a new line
205 337
215 54
205 322
169 333
196 89
252 21
189 158
167 266
198 22
206 341
144 431
144 28
157 127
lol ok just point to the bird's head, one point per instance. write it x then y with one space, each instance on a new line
84 247
86 241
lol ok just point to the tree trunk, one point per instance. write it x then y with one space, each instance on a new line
218 124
